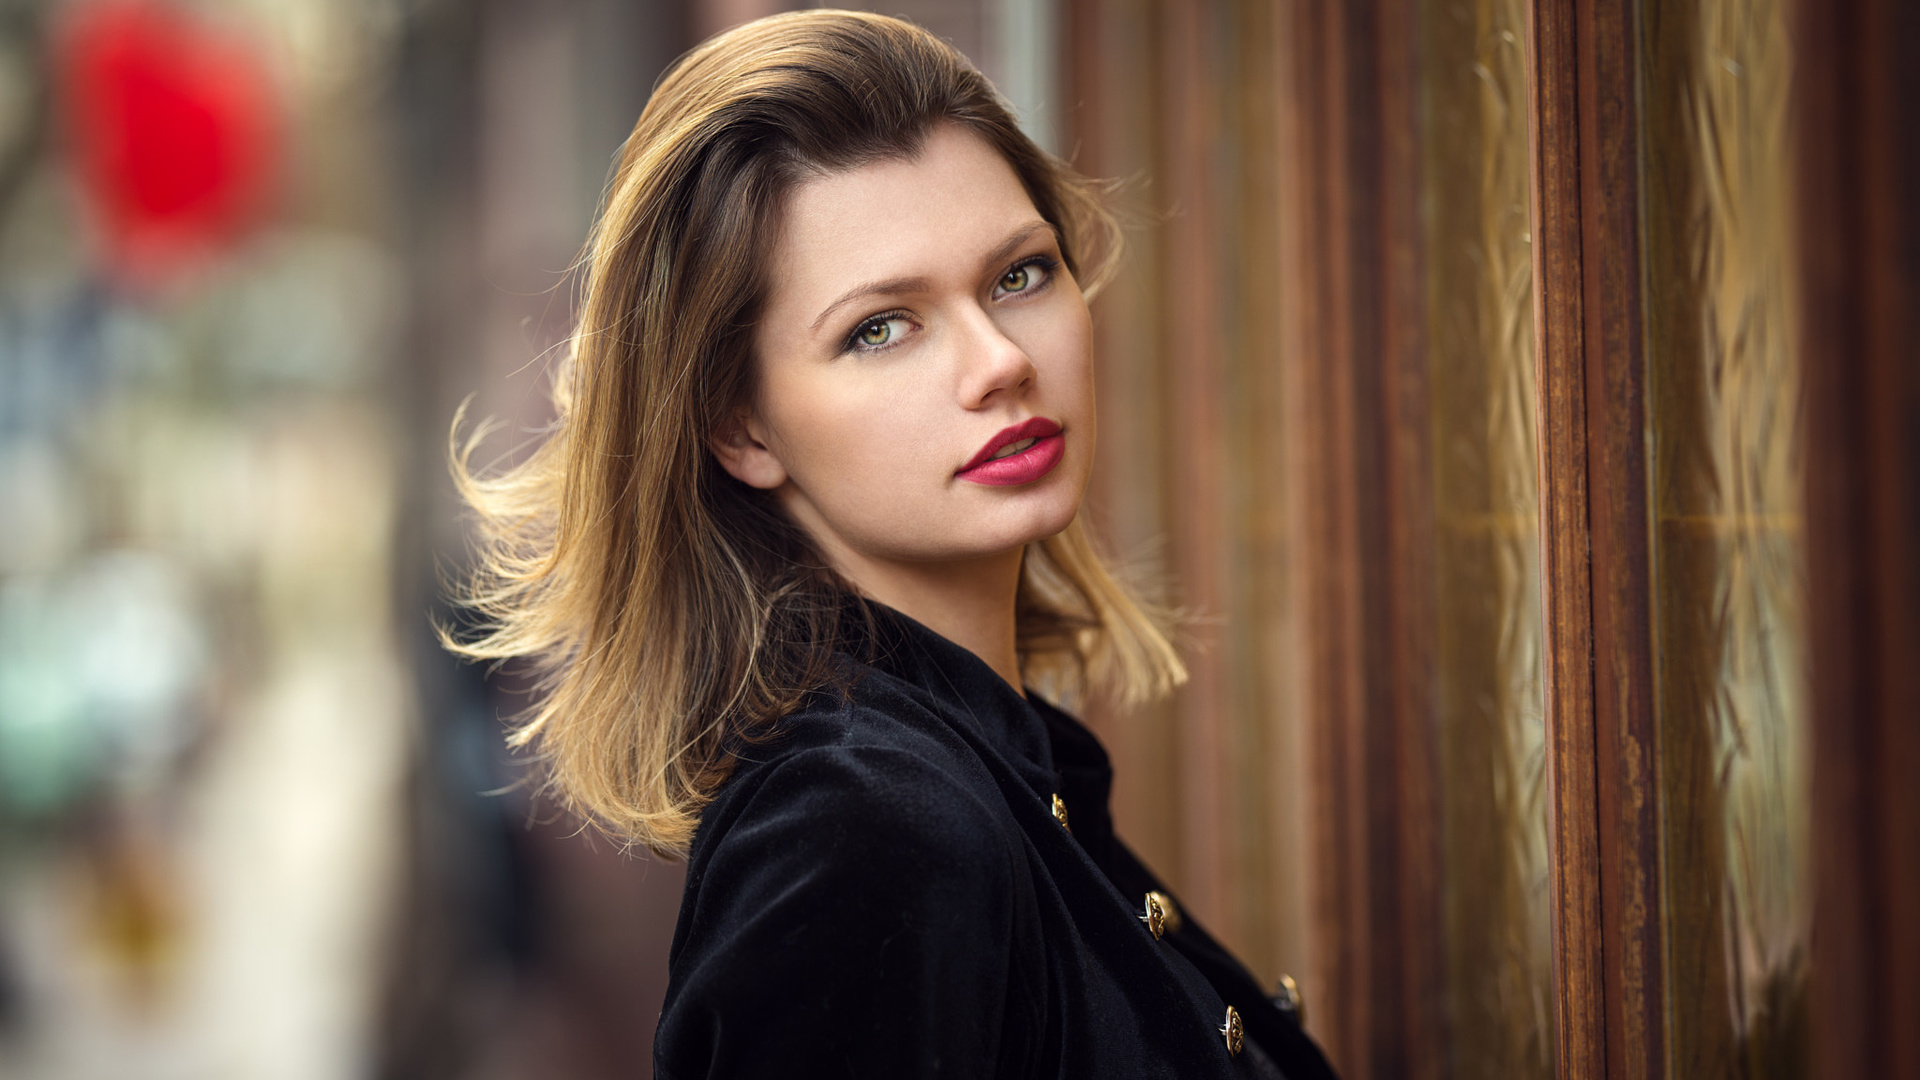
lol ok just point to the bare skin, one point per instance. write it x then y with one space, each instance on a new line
919 307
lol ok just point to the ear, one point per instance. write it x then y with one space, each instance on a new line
741 446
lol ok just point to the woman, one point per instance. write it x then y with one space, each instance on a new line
807 524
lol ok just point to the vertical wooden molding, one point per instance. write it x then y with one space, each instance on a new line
1560 358
1354 375
1858 165
1596 568
1270 766
1405 739
1113 123
1194 385
1620 535
1314 358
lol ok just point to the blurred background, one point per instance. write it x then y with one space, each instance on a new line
1519 411
253 253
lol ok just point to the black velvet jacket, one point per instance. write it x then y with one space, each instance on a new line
882 889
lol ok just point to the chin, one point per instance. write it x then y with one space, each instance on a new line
1057 524
1048 519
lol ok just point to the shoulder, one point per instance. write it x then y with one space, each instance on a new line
847 867
862 775
851 820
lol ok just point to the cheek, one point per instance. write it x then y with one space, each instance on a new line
848 440
1080 348
1071 377
1058 337
1062 352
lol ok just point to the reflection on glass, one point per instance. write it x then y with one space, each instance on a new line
1728 597
1498 948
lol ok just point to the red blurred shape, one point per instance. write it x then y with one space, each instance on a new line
173 128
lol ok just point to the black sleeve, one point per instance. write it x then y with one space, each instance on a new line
1276 1033
852 920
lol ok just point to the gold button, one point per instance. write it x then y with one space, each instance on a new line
1060 813
1162 914
1233 1032
1291 1000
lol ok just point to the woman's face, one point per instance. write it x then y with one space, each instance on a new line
925 380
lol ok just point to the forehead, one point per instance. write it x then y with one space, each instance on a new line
956 198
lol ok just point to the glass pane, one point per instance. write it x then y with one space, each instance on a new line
1729 577
1486 498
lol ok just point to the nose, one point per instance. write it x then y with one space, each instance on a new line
991 363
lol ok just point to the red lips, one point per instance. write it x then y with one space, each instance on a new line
1024 467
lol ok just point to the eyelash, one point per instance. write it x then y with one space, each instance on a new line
1045 262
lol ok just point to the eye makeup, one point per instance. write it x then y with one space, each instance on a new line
859 339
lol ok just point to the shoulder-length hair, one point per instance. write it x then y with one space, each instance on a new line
671 609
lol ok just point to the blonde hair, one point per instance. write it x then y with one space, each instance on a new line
672 610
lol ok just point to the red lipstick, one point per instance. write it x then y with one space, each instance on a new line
1045 446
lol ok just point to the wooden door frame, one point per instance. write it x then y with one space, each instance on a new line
1354 384
1595 542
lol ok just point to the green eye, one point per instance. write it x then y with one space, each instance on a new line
875 332
1016 279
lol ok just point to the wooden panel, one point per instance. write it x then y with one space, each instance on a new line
1354 377
1320 489
1175 98
1594 538
1858 167
1266 754
1113 75
1265 378
1403 751
1623 677
1580 1012
1194 375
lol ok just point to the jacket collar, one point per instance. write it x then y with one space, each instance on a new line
967 691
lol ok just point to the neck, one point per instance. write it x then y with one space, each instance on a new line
969 603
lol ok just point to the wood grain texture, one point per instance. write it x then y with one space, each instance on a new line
1113 125
1193 382
1626 735
1407 740
1595 543
1320 483
1559 357
1266 754
1354 376
1177 100
1561 325
1858 165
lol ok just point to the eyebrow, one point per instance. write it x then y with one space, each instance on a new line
892 286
